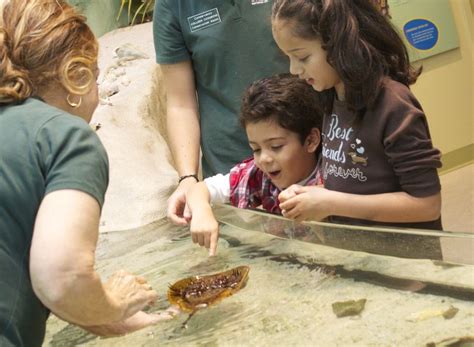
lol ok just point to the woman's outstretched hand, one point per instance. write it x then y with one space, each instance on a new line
131 293
136 322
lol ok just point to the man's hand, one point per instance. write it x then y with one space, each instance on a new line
178 212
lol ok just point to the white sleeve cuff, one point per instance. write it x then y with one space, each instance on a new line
219 188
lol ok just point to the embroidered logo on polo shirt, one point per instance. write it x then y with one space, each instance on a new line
204 20
258 2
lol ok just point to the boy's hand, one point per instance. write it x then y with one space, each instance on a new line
305 203
205 230
289 193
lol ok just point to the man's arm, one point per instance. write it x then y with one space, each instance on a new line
182 123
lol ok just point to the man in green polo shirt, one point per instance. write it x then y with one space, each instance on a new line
210 51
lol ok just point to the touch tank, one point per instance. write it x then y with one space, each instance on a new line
315 284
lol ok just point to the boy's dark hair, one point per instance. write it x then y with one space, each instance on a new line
289 101
361 43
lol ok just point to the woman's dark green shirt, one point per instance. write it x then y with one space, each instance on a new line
42 149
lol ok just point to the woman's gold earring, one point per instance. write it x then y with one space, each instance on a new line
73 104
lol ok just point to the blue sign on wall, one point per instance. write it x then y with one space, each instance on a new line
427 26
421 33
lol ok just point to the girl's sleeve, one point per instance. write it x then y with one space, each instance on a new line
409 148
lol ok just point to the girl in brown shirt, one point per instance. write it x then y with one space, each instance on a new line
378 162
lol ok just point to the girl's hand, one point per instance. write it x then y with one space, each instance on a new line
205 230
131 293
305 203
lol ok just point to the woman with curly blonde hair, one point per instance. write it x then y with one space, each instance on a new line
53 178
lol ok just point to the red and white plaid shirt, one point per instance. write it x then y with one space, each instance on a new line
249 187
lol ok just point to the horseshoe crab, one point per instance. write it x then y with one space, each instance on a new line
196 292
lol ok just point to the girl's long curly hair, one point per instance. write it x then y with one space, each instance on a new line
361 43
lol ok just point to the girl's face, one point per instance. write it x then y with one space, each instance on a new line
308 59
278 152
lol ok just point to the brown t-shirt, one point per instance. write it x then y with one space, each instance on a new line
386 150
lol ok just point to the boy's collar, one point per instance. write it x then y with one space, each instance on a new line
304 181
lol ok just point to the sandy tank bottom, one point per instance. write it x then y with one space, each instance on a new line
287 300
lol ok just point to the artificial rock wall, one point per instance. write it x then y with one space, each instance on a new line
131 115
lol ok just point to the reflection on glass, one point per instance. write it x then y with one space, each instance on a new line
398 242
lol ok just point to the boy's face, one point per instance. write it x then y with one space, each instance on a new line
278 152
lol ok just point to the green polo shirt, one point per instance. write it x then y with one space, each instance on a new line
230 44
42 149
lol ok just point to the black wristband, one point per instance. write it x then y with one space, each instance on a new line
187 176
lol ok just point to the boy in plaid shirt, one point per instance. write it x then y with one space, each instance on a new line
282 119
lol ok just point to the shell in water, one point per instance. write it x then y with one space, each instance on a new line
195 292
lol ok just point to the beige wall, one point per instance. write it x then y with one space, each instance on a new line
445 88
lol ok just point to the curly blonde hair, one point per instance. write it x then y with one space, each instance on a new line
43 42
